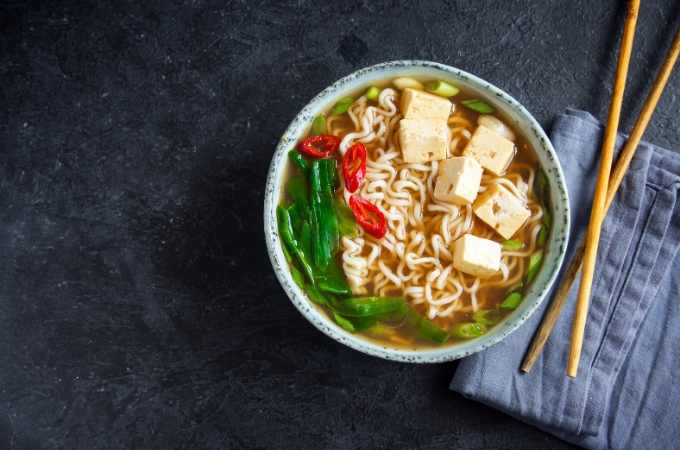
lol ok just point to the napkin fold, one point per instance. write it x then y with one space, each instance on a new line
627 393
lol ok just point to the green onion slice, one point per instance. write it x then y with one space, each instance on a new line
512 301
468 330
319 126
534 265
479 106
442 88
487 317
342 106
513 244
372 93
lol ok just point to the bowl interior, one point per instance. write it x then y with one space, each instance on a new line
512 111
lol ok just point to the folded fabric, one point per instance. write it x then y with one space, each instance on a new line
627 393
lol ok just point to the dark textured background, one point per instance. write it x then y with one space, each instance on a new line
137 304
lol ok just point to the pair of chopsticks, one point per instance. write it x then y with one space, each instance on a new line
605 191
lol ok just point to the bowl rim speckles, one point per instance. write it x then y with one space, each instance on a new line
521 119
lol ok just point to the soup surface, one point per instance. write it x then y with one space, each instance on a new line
413 214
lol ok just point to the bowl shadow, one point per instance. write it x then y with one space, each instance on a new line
213 250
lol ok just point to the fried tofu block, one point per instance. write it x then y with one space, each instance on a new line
417 104
501 210
458 180
490 149
476 256
423 140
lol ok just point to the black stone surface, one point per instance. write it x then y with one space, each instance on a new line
137 305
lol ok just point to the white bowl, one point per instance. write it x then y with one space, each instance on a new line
520 119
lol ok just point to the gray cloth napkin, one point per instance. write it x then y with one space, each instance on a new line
627 394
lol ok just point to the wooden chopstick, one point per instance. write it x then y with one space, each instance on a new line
599 199
627 153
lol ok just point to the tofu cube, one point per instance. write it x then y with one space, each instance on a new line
490 149
417 104
423 140
476 256
501 210
458 180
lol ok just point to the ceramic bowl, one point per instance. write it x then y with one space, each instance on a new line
519 118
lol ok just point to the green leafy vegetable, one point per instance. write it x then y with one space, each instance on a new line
370 306
364 323
298 191
316 295
468 330
297 216
512 301
306 238
286 231
342 106
329 174
286 254
478 105
345 323
329 223
333 280
322 215
299 160
347 225
426 328
297 276
442 88
513 244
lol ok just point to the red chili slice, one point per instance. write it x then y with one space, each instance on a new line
371 219
354 166
321 146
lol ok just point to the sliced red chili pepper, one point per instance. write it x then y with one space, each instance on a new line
321 146
371 219
354 166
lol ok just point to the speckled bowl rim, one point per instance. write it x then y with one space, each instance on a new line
522 120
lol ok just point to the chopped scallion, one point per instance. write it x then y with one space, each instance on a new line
512 301
372 93
342 106
513 244
442 88
478 105
319 126
541 186
534 265
488 317
468 330
547 217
